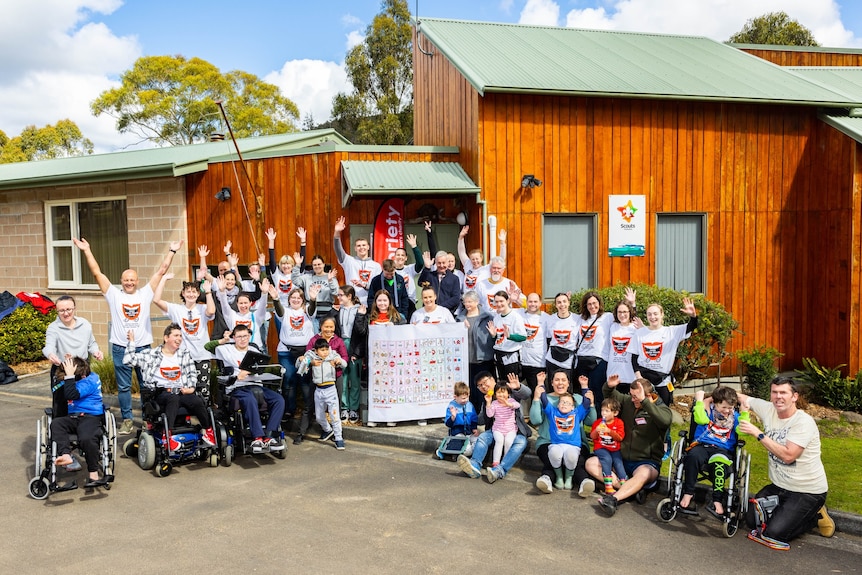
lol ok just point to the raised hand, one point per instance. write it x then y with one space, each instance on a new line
688 307
270 235
613 381
176 245
203 251
631 295
227 246
428 226
426 257
300 233
265 285
332 273
340 225
492 328
411 240
313 290
463 233
502 235
297 259
261 260
81 244
584 381
233 261
221 284
207 286
254 274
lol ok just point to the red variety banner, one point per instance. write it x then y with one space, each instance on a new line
388 229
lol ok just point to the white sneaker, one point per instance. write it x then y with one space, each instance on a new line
422 422
587 488
391 424
543 484
126 427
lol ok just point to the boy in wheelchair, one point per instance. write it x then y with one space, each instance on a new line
248 390
83 392
170 379
713 445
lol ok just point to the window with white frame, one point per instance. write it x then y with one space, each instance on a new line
102 222
679 252
568 253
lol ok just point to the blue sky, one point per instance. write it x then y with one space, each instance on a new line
56 56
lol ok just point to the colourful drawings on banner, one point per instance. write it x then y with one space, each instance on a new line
412 370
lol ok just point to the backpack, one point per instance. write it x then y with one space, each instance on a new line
6 374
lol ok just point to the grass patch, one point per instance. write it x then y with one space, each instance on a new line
841 453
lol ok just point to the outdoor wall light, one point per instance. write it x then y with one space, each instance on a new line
223 194
530 181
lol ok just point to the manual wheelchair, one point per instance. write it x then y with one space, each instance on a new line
152 448
735 501
44 482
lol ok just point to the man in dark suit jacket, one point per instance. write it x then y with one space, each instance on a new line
394 284
444 282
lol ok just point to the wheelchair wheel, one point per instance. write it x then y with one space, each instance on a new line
164 469
146 450
281 454
130 448
39 488
730 527
227 457
666 510
213 459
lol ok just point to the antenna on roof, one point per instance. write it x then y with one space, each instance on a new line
419 32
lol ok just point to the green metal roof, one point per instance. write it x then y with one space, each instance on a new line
172 161
539 59
777 48
844 79
403 178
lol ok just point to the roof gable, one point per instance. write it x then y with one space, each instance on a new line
539 59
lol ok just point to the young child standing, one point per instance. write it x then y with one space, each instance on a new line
461 417
606 434
502 408
564 427
714 443
322 363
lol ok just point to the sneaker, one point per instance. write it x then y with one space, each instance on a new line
257 444
327 435
297 440
208 437
543 484
371 424
422 422
587 488
126 427
339 444
276 444
493 474
391 424
608 504
344 414
353 417
438 455
173 444
465 465
824 522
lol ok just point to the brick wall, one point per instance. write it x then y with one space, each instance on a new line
156 211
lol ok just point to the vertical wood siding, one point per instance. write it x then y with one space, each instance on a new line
805 58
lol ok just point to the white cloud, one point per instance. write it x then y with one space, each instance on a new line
54 61
311 84
353 39
541 13
717 19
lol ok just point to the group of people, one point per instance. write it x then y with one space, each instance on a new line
516 351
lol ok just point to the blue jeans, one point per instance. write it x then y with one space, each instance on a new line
289 382
251 412
486 441
123 373
612 461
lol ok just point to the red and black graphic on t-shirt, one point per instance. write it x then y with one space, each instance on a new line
296 322
565 423
131 311
245 322
171 373
364 275
285 285
652 349
532 330
491 301
190 326
501 336
588 332
620 344
562 336
470 281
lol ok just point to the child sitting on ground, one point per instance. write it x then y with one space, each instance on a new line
461 418
502 408
714 442
322 363
607 433
564 429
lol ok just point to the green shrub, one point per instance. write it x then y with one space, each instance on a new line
829 387
22 334
760 368
705 346
105 369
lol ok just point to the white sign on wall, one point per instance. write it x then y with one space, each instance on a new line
412 369
626 226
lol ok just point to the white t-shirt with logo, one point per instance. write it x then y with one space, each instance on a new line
595 336
563 332
169 374
361 271
534 347
297 329
438 315
516 326
193 323
130 312
656 349
620 358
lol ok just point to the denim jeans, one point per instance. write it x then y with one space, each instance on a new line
289 382
486 441
612 462
123 374
351 393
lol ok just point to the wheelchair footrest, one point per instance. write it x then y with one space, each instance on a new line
72 485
